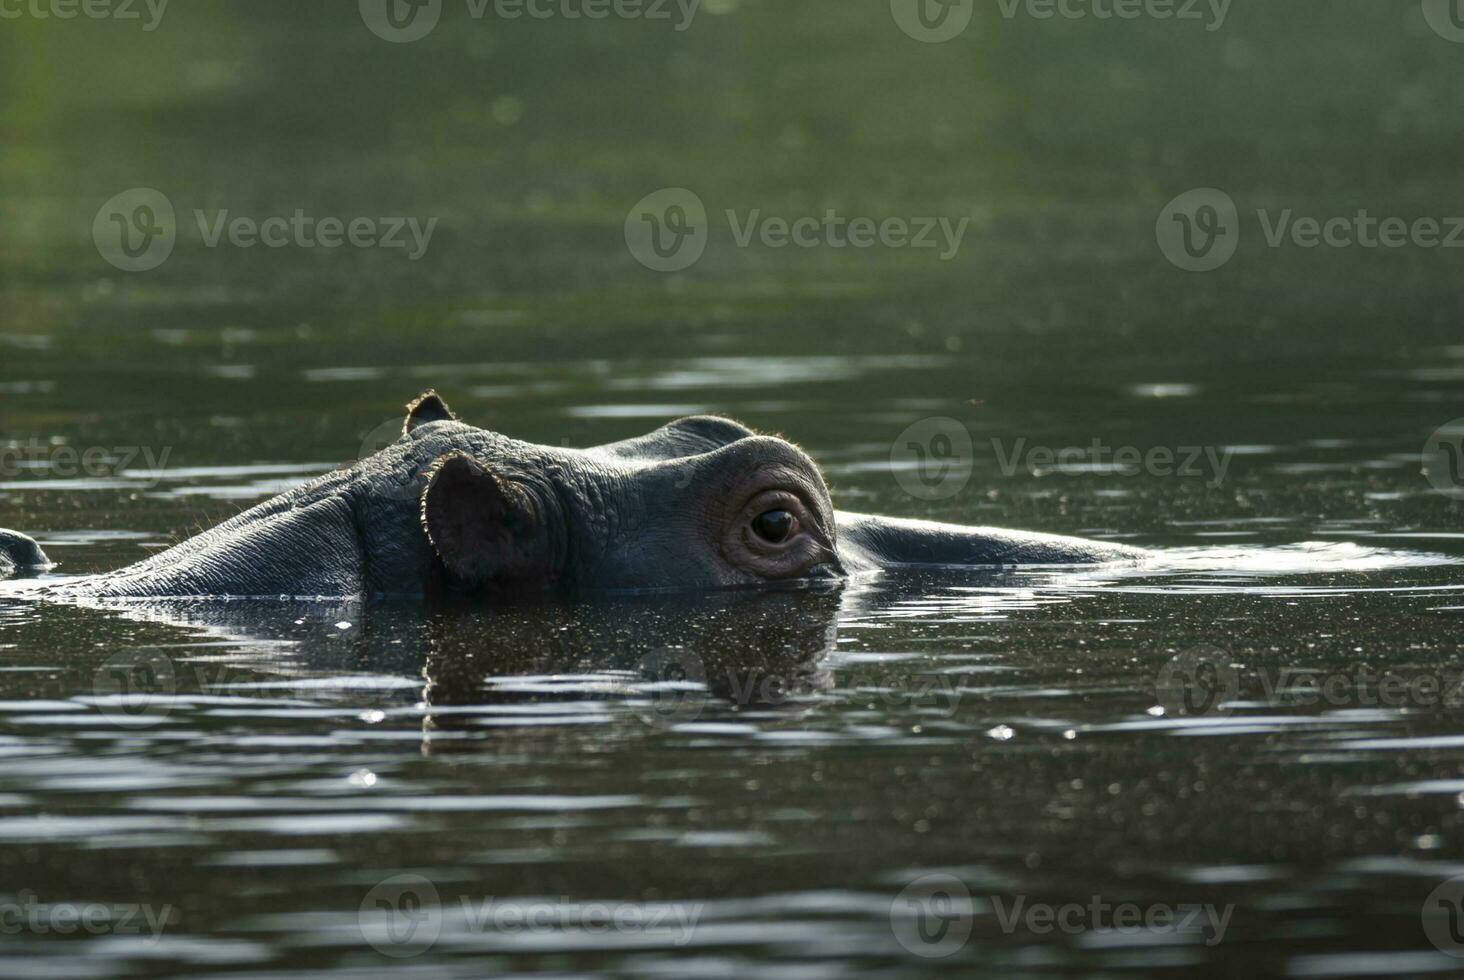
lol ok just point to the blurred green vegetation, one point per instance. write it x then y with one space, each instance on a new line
530 141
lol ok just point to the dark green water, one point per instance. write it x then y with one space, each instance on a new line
746 784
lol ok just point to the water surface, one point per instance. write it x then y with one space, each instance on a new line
783 783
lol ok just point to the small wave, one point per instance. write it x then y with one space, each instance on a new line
1303 558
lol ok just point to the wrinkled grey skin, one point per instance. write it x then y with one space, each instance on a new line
450 509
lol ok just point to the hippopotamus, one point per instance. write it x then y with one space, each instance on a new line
452 510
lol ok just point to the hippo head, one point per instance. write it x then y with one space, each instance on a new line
702 502
450 509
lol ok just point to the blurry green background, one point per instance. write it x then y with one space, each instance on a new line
530 141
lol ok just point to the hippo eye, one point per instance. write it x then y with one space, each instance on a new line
773 526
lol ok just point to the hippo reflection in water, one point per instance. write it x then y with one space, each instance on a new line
450 510
672 657
521 666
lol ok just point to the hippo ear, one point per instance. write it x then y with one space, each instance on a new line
427 407
486 529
